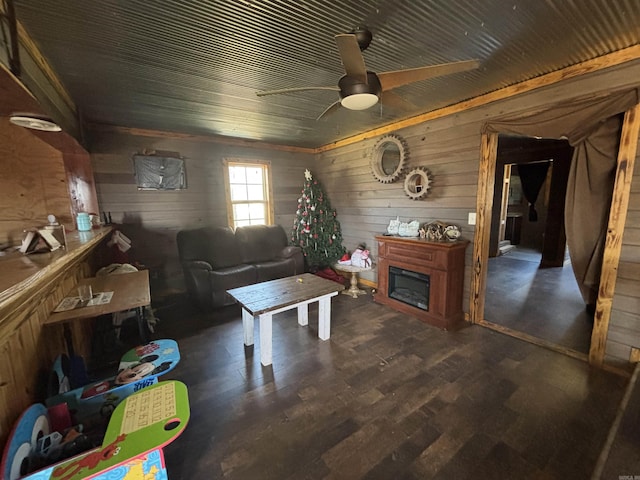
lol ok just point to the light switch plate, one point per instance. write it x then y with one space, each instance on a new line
472 218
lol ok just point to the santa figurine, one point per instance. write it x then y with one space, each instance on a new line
345 260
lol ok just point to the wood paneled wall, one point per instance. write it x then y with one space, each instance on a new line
33 183
42 173
365 205
27 348
153 218
450 148
624 326
27 351
81 183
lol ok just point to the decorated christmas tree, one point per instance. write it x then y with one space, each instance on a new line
316 229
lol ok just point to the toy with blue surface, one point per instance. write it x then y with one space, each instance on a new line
140 367
132 447
75 421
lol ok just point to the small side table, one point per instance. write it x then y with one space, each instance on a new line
353 291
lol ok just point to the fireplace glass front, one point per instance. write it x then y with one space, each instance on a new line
409 287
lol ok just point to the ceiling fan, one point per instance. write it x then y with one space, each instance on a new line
360 88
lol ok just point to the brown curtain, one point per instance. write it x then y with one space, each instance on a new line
532 176
589 190
592 127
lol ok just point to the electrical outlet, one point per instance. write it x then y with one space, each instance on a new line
472 218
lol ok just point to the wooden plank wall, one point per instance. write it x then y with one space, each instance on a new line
450 148
153 218
27 349
82 188
624 326
365 206
33 183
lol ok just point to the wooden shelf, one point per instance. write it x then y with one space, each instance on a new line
442 261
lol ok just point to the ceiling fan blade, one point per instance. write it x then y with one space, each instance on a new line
398 78
295 89
351 56
330 109
396 102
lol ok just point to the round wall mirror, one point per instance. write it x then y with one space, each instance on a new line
389 158
417 183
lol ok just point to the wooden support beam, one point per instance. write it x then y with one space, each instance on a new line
484 204
615 229
34 52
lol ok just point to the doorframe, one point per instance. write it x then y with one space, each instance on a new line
613 241
504 204
615 228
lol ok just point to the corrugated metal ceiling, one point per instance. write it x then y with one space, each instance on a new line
194 66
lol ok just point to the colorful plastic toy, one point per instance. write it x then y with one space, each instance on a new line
132 447
140 367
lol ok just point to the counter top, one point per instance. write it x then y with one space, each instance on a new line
19 272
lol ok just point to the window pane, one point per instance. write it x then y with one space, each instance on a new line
237 175
256 211
254 175
255 192
242 223
241 211
238 192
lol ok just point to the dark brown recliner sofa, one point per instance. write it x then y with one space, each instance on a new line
215 259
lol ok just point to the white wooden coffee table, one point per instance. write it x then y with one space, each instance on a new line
263 300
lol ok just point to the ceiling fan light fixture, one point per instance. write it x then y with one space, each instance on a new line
359 101
356 94
34 123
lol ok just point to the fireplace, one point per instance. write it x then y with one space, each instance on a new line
422 278
409 287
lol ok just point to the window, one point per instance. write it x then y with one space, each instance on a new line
249 194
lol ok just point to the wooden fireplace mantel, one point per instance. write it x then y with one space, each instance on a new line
442 261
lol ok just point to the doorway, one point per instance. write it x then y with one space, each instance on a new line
613 156
531 287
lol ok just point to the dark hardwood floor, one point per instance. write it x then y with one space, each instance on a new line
545 303
387 397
